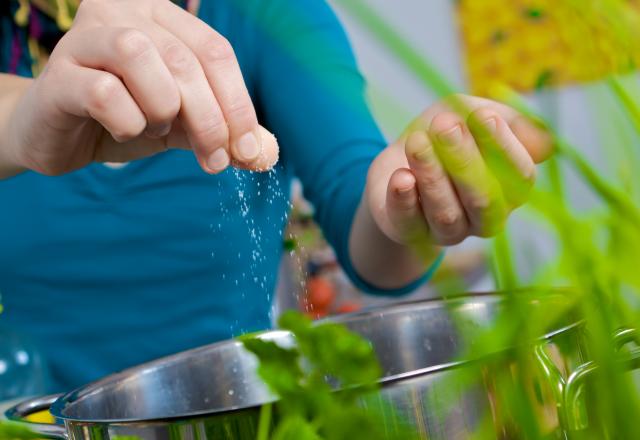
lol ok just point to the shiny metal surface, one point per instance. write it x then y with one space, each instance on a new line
36 405
213 392
216 378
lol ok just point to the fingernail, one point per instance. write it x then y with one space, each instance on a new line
424 155
452 136
404 191
218 161
158 131
248 147
491 125
418 143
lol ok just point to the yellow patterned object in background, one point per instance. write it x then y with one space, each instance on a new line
61 10
529 44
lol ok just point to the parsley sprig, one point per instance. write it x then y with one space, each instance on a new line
326 356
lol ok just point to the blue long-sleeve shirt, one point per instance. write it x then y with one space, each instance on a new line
106 268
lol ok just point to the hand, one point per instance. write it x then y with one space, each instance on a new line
133 78
455 174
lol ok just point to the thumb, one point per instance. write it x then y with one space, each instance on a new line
403 209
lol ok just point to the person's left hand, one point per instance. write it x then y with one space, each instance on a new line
455 174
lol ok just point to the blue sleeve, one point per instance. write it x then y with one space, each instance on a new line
312 96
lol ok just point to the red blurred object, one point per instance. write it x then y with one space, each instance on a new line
349 307
320 292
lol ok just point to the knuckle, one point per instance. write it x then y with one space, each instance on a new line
404 208
217 49
131 44
211 131
102 90
165 113
480 203
179 60
430 178
458 161
241 112
447 219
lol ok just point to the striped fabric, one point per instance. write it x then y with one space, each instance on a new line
30 29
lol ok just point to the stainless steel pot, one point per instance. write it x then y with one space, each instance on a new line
438 377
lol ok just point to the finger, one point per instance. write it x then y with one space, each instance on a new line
478 190
439 201
103 97
505 155
403 209
268 156
532 133
536 139
143 146
200 114
132 55
222 70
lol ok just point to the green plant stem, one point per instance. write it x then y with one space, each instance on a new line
506 277
264 425
628 102
397 46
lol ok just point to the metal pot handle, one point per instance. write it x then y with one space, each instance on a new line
568 392
554 376
17 413
574 386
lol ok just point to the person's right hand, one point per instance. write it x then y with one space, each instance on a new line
132 78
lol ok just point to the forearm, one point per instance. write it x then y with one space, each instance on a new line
12 89
381 261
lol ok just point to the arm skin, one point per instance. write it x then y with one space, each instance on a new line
381 261
12 88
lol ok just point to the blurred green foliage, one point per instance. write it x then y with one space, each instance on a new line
598 251
308 408
597 255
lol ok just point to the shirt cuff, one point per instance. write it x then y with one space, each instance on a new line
369 288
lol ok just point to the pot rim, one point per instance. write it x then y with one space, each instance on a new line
60 404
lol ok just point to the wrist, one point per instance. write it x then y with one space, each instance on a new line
11 122
9 164
382 261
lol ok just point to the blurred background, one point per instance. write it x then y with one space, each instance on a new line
536 47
